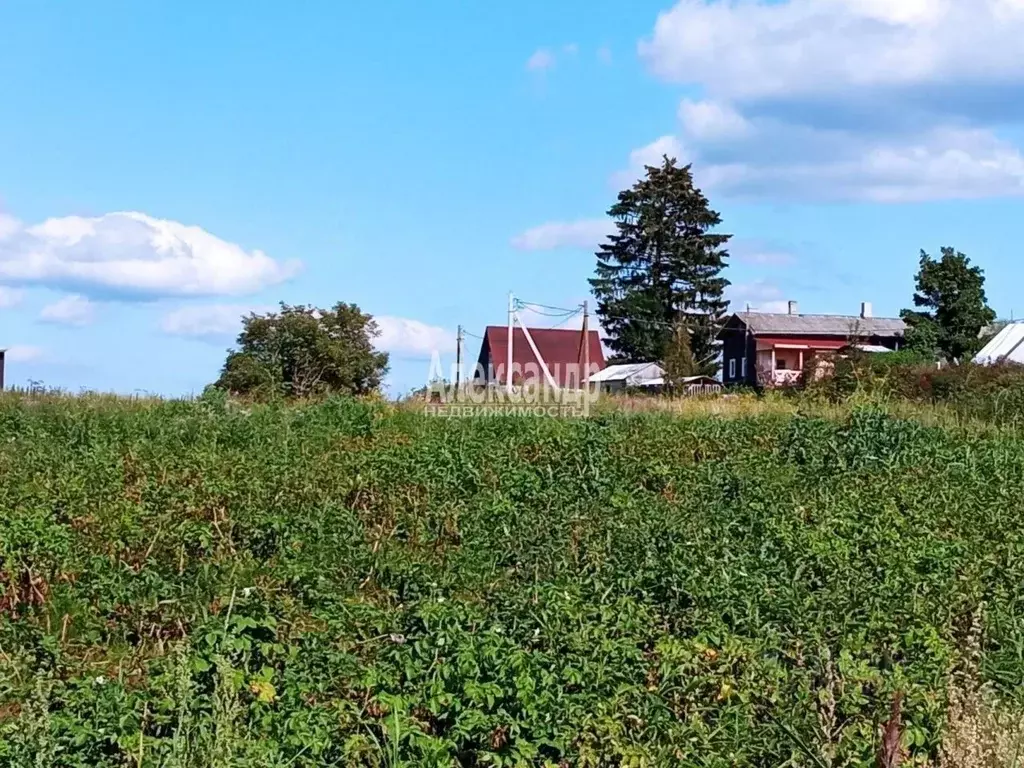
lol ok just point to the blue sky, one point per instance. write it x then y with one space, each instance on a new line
422 160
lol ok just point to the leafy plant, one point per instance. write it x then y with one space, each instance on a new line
302 351
351 583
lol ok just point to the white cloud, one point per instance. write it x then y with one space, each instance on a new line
132 253
412 338
570 49
712 121
760 295
583 234
10 297
217 323
604 54
743 50
847 99
761 254
24 353
650 154
71 310
8 225
541 60
939 164
221 323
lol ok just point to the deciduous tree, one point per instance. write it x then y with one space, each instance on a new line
301 351
951 307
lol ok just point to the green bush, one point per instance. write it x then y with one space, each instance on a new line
349 584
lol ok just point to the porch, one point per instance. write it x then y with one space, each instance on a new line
782 363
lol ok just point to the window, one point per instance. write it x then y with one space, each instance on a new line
743 368
732 368
781 364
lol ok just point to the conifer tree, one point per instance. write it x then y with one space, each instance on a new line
662 265
679 362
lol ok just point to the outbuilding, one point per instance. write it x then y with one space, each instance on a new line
1007 346
623 376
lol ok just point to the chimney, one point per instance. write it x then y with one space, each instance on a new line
794 308
865 309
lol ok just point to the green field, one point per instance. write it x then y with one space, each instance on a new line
355 584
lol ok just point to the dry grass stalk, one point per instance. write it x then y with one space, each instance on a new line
981 732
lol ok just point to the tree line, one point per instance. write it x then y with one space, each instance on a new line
660 289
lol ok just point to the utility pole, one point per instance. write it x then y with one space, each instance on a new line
458 362
508 357
586 348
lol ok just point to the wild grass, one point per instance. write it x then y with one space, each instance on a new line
738 582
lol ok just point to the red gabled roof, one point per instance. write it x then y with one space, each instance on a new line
562 351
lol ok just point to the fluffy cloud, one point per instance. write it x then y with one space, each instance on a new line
216 323
411 338
544 59
649 154
712 121
754 51
942 163
585 234
8 225
10 297
760 254
541 60
846 99
760 295
71 310
24 353
133 254
221 323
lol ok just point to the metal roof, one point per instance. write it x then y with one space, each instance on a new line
561 349
821 325
626 371
660 382
1008 345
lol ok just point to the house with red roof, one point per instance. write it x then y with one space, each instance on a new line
560 351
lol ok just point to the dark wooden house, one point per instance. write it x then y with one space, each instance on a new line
766 349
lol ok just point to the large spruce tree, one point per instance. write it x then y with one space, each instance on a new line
662 267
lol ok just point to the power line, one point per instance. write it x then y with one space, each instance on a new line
520 304
569 319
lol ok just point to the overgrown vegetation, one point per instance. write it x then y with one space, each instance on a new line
993 393
302 351
351 584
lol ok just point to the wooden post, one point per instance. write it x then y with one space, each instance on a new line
540 359
458 362
586 348
508 357
2 353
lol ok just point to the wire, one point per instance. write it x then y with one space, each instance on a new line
567 320
520 304
554 314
